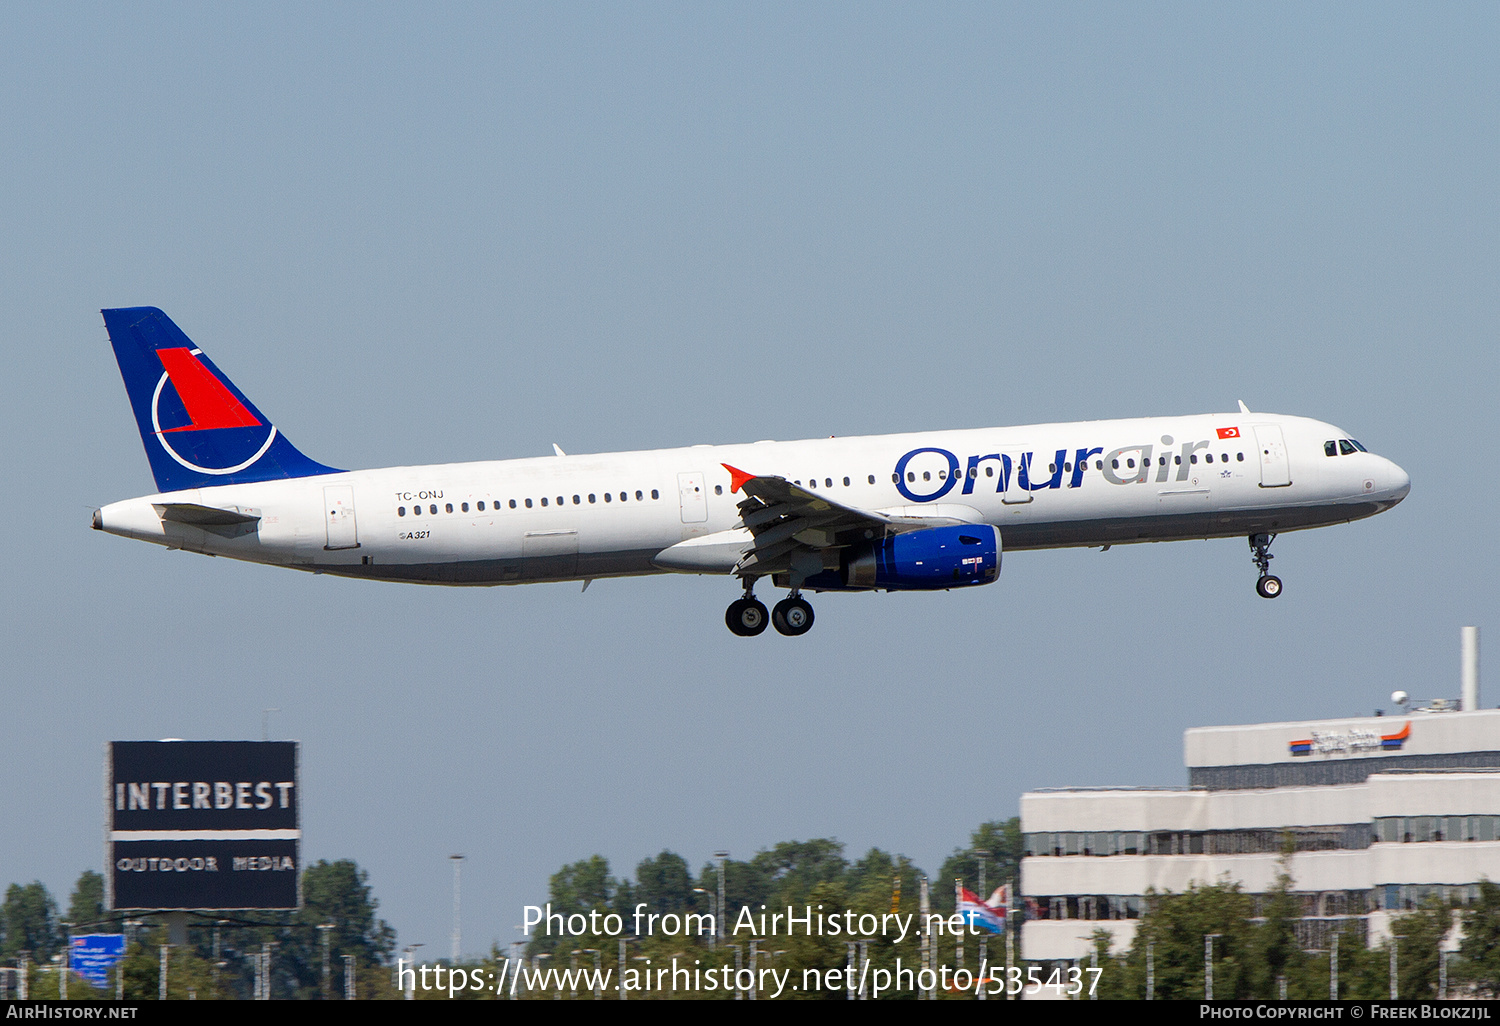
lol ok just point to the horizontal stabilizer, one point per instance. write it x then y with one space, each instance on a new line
204 516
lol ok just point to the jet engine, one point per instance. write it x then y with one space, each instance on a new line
932 559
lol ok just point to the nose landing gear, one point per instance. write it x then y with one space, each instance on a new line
1269 585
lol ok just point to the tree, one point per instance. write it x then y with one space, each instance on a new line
1480 948
1176 925
663 883
86 906
28 922
339 893
796 867
1421 932
1275 952
579 888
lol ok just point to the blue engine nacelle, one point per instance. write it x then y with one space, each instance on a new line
934 559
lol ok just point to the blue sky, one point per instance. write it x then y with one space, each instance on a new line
430 234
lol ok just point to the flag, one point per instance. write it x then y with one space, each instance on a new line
1233 432
979 914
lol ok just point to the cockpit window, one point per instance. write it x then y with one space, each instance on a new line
1358 446
1346 447
1330 448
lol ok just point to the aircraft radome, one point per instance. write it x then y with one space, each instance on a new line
909 512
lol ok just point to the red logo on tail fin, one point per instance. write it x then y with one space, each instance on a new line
208 403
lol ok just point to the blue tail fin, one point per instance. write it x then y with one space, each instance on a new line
198 429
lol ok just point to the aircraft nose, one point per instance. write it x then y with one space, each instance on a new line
1403 481
1396 483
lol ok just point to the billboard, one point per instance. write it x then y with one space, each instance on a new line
93 955
202 825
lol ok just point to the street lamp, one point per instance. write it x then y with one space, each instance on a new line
411 988
458 861
713 938
1208 964
324 929
719 857
984 857
595 953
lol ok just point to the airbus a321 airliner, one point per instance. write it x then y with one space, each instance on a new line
913 512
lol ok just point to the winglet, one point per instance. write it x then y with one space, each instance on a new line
558 449
1243 407
736 477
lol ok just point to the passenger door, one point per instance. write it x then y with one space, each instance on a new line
1275 470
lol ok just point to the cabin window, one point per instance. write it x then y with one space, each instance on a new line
846 482
1177 460
926 475
989 471
655 494
560 500
400 511
591 498
718 489
544 500
513 503
1223 457
1114 464
577 501
448 507
1130 464
828 482
911 476
872 478
1099 464
464 507
1194 457
432 509
1209 457
1240 457
528 503
637 495
608 497
480 505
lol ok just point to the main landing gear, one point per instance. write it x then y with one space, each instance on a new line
747 617
792 616
1269 585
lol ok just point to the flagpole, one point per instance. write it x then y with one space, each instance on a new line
958 903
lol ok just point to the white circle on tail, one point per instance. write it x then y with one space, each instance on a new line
156 428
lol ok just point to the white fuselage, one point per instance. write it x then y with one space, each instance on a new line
616 514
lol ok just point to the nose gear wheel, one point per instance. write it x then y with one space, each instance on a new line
1269 585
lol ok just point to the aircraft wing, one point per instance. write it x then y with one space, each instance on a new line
795 528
